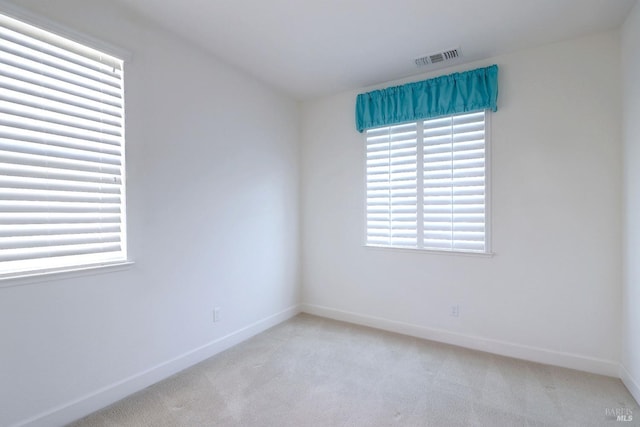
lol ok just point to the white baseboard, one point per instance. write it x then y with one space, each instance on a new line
633 385
503 348
105 396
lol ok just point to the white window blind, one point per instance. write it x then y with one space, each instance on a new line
392 175
454 182
62 194
426 184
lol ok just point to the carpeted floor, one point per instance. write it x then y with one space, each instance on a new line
311 371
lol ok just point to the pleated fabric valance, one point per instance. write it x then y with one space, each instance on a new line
441 96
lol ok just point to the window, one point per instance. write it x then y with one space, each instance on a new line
62 191
427 184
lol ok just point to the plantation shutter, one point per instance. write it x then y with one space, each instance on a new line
454 182
61 152
392 175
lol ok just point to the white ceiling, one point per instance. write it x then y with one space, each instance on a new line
310 48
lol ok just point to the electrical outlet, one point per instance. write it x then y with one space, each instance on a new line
454 311
216 314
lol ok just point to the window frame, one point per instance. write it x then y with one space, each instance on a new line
488 251
46 273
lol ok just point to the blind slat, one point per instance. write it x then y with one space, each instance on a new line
16 230
25 242
12 218
56 251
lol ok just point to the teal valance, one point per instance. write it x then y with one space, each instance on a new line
441 96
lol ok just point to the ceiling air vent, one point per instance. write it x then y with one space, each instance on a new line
436 58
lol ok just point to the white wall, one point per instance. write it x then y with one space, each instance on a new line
212 163
630 372
552 291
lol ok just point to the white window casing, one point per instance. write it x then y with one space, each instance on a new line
62 169
427 184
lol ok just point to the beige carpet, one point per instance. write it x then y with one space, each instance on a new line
311 371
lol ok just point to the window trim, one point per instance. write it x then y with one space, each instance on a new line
37 275
488 252
408 250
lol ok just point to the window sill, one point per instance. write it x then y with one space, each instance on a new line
431 251
32 277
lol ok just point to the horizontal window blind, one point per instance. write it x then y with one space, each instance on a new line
454 182
392 214
426 184
62 194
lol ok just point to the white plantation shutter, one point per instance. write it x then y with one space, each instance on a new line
426 184
61 152
392 174
454 182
